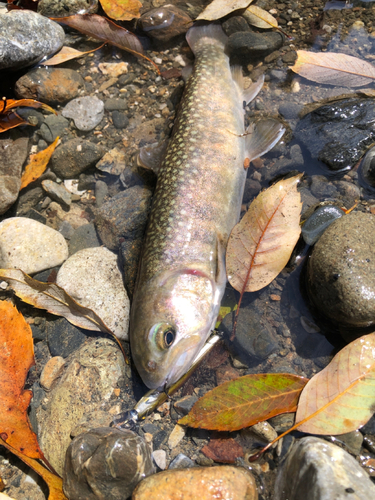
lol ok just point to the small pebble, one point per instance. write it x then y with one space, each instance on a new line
176 436
86 112
160 458
51 371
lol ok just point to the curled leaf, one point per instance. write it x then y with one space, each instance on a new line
333 68
246 401
28 103
220 8
341 398
66 54
260 18
38 164
121 10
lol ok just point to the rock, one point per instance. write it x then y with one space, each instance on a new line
62 8
114 70
338 133
51 371
247 45
252 189
63 338
181 462
12 156
106 463
164 23
50 85
176 436
75 156
29 245
29 38
322 188
290 110
115 104
317 469
318 222
57 192
52 127
341 271
92 277
113 162
185 404
123 216
352 441
86 112
101 192
120 120
225 450
160 459
235 24
205 483
89 381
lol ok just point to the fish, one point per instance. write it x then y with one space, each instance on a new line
197 201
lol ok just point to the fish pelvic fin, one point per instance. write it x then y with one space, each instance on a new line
262 136
211 34
252 91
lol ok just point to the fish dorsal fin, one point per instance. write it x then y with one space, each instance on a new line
262 136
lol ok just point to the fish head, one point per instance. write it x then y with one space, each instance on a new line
172 316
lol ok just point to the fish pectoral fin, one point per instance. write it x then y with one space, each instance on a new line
220 273
151 155
262 136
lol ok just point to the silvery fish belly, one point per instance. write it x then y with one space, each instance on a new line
197 201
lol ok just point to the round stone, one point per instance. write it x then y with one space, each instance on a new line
341 271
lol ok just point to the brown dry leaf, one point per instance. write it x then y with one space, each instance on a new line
220 8
28 103
121 10
66 54
260 18
333 68
16 359
38 164
340 398
225 451
260 245
11 120
54 482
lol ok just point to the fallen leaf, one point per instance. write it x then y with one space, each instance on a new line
38 164
11 120
341 398
66 54
106 30
334 68
28 103
53 298
54 482
220 8
246 401
260 245
121 10
225 451
16 359
259 18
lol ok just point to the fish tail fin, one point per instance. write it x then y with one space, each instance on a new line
210 34
262 136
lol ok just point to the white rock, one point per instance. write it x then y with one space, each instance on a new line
30 246
160 459
176 436
92 277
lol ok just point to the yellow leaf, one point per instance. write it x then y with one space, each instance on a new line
121 10
38 164
220 8
260 18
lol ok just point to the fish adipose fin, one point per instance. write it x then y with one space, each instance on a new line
211 34
262 136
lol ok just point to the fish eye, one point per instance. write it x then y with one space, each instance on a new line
163 334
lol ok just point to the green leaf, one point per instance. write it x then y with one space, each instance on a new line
246 401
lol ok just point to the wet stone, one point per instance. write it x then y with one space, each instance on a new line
75 156
123 216
181 461
51 371
115 104
29 38
341 271
101 192
318 222
164 23
12 157
339 133
204 483
247 45
62 8
52 127
50 85
63 338
57 192
235 24
317 469
86 112
185 404
120 120
113 162
352 441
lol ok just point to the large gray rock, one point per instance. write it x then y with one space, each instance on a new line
74 157
341 271
12 156
26 37
318 470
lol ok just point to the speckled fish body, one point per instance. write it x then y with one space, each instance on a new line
197 202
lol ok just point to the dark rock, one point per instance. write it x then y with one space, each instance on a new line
290 110
185 404
290 57
248 45
52 127
123 216
30 113
101 191
181 461
86 181
339 133
322 188
279 75
341 271
63 338
83 237
120 120
308 200
38 396
107 461
75 156
318 222
50 85
349 192
159 439
130 253
352 441
29 38
12 157
252 189
164 23
62 8
317 469
235 24
255 339
369 428
115 104
151 429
